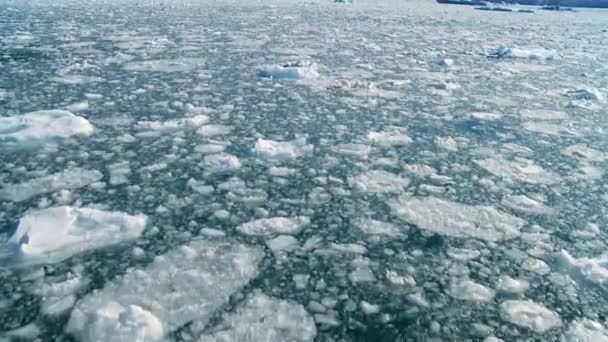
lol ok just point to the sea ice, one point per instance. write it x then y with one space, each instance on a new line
586 330
529 314
54 234
378 181
511 285
36 127
185 285
166 65
212 131
274 226
375 227
221 163
593 270
290 71
456 219
281 151
584 153
264 318
526 205
173 125
527 53
73 178
392 136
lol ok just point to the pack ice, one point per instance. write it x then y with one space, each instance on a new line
39 126
456 219
185 285
54 234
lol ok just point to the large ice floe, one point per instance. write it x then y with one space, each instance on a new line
264 318
41 126
528 314
73 178
591 270
185 285
281 151
274 226
54 234
456 219
518 170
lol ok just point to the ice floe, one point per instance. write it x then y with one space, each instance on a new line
359 151
586 269
185 285
512 285
526 205
275 226
281 151
375 227
456 219
220 163
531 315
379 181
212 131
543 114
40 126
54 234
518 170
471 291
586 330
173 125
584 153
391 136
289 71
264 318
72 178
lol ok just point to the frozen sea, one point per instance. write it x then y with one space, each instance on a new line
301 171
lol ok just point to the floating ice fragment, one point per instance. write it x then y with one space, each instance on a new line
586 93
353 150
37 127
379 181
527 53
456 219
593 270
54 234
529 314
173 125
280 151
392 136
584 153
185 285
264 318
511 285
166 65
76 79
274 226
212 131
281 243
543 114
73 178
375 227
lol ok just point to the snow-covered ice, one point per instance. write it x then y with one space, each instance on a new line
518 170
54 234
471 291
378 181
586 330
281 151
274 226
42 126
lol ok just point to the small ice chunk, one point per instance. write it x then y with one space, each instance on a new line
173 125
526 205
584 153
586 330
76 79
209 148
379 181
147 304
37 127
119 172
350 248
72 178
455 219
361 271
221 163
54 234
471 291
289 72
281 171
535 265
543 114
528 314
586 93
518 170
463 254
359 151
281 151
391 137
264 318
485 116
82 106
274 226
511 285
369 308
